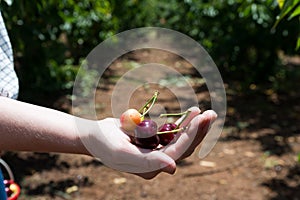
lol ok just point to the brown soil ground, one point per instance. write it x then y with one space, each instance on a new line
254 159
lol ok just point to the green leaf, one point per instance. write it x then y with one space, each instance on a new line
298 46
295 13
288 6
280 3
299 157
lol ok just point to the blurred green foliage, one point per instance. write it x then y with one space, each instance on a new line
289 9
51 37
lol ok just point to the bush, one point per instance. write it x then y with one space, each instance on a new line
50 37
238 34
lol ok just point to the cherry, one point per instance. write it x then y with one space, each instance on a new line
130 119
166 138
145 134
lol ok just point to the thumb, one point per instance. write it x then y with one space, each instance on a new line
162 163
159 161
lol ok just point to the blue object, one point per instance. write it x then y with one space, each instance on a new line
3 195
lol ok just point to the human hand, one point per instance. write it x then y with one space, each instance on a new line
107 142
186 142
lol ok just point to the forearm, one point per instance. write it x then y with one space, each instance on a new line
27 127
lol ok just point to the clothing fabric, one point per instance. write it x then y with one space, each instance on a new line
9 84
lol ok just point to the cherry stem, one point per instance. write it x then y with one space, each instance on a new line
148 105
187 113
172 131
174 114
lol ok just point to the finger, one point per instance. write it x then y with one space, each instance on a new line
159 161
151 175
137 161
194 111
204 122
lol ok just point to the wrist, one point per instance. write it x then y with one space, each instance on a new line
85 129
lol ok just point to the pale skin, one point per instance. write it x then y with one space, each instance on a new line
27 127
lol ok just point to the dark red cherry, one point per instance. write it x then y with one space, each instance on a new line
166 138
145 135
